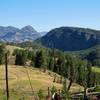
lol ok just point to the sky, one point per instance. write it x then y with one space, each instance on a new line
45 15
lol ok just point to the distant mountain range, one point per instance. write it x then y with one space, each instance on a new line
70 38
13 34
63 38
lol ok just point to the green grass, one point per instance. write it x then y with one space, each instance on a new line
11 48
96 69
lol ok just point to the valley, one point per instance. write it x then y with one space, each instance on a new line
49 50
25 81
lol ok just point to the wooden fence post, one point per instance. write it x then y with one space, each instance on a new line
6 71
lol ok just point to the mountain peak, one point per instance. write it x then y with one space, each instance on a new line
28 28
13 34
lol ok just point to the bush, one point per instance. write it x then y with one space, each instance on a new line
65 92
40 94
53 90
97 89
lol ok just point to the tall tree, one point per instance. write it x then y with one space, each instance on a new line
21 57
39 59
80 72
2 53
89 75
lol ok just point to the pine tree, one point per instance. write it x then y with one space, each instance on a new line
39 59
80 72
2 53
21 57
89 75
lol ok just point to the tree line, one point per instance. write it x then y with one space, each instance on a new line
68 66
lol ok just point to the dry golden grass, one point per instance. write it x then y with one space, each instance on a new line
19 85
11 48
18 79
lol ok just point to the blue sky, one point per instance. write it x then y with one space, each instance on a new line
44 15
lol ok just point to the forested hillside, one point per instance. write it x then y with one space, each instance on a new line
70 38
64 66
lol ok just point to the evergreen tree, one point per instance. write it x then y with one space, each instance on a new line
80 72
93 57
30 54
21 57
2 53
39 59
89 75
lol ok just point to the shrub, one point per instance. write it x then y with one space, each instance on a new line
40 94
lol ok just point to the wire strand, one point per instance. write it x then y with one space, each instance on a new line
29 79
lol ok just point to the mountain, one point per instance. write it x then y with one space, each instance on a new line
12 34
4 30
43 33
70 38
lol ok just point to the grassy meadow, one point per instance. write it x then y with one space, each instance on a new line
19 85
96 70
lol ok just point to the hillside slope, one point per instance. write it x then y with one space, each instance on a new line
19 84
71 38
